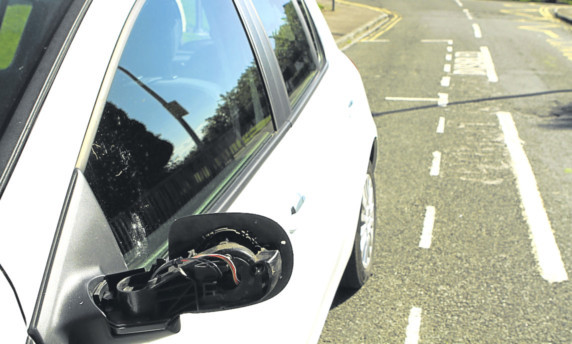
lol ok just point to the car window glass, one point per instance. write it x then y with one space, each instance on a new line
26 31
186 110
287 35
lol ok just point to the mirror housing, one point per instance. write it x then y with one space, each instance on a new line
216 262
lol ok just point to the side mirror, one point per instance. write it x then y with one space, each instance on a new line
216 262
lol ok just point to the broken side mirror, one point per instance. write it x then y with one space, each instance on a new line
216 262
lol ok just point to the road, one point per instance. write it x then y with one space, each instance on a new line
473 103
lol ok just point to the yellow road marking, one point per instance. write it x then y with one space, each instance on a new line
388 26
535 14
565 47
542 29
545 12
540 19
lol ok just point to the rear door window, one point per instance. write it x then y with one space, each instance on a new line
186 111
291 40
27 30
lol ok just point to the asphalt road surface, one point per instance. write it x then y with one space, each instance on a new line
473 103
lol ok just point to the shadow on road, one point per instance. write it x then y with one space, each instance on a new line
561 118
342 295
481 100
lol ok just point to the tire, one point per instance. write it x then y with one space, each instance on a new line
360 264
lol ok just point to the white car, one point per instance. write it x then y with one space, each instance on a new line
179 171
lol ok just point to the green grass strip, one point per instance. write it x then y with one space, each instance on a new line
13 26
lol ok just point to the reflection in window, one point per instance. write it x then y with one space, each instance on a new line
11 29
289 40
313 32
26 29
186 110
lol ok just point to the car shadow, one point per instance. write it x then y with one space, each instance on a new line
342 295
560 117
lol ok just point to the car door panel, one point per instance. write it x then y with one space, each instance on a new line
308 159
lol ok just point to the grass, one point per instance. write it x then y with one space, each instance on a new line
12 27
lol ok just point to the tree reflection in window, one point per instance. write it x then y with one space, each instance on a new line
285 29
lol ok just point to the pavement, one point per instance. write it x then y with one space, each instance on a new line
352 21
564 13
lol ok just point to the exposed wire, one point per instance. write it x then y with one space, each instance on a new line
227 261
210 263
166 265
200 258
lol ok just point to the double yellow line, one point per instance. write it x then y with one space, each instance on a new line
394 19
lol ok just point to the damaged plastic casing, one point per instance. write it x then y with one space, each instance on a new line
216 262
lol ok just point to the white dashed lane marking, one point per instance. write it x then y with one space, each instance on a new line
436 164
413 326
443 99
448 41
428 225
468 14
477 31
441 125
446 81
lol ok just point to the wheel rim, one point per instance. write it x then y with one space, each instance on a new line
367 222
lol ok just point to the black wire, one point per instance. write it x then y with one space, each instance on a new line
211 263
165 266
178 261
15 293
